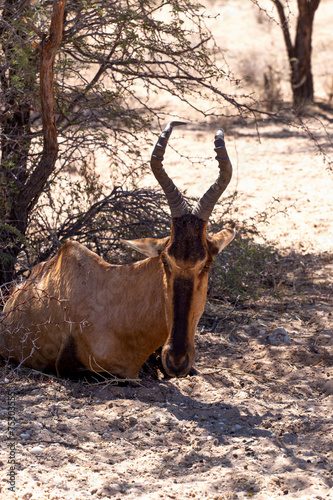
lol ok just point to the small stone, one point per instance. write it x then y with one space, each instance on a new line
37 450
25 435
279 336
62 427
27 495
190 454
109 489
328 387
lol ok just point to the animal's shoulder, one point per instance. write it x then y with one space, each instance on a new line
73 253
40 269
68 252
71 259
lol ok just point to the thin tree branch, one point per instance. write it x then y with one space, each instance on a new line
285 29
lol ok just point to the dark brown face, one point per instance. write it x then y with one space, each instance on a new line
186 262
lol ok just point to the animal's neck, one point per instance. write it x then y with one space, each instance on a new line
128 316
144 305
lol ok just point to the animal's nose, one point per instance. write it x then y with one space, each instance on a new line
175 367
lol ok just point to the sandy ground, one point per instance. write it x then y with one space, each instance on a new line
256 420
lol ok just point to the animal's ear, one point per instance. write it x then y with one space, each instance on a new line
151 247
220 240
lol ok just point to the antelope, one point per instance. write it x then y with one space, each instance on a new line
77 312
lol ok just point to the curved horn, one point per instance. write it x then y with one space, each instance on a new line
177 204
206 204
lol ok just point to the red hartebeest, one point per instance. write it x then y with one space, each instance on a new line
78 312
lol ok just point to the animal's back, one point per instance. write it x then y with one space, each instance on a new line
76 311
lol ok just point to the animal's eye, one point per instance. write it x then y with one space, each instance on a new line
205 269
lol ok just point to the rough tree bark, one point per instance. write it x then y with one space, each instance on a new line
299 53
21 188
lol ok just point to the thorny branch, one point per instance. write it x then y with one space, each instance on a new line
5 325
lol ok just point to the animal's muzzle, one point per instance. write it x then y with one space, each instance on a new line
175 368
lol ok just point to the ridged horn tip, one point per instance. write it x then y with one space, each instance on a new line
168 129
176 123
176 202
220 133
205 205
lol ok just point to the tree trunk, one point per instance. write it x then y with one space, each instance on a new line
299 53
301 72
